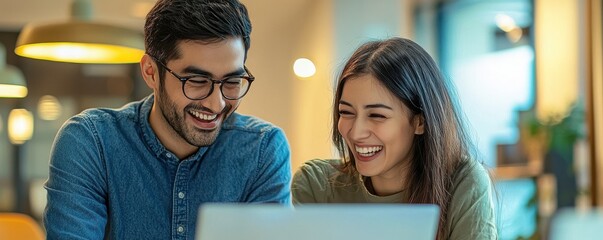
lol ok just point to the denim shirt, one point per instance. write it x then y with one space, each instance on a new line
111 178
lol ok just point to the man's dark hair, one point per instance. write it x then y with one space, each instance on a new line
171 21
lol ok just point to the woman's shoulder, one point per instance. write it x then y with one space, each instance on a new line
321 166
472 174
471 210
317 171
312 182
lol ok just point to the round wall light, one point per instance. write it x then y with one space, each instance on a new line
304 68
20 126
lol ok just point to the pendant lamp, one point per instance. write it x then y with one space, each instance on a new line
80 40
12 82
20 126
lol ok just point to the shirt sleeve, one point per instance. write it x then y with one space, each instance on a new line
300 188
310 183
471 212
76 207
273 178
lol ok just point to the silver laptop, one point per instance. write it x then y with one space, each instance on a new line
317 222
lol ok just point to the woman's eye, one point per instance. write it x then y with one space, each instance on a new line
344 113
374 115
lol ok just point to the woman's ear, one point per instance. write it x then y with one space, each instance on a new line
419 124
148 70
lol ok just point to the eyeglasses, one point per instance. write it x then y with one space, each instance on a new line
198 87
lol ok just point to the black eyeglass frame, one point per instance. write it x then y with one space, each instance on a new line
250 78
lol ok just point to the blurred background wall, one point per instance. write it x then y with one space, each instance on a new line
516 64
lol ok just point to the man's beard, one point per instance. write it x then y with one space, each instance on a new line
193 136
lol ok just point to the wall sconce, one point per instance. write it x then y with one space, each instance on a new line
20 126
49 108
12 82
80 40
304 68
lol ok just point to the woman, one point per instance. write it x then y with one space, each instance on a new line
402 140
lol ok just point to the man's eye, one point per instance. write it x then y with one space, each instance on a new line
199 81
234 81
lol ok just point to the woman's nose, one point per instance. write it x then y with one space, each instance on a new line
359 130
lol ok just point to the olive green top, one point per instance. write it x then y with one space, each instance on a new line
470 213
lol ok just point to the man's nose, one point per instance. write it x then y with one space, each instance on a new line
215 101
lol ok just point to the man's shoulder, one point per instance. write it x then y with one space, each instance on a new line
110 115
247 123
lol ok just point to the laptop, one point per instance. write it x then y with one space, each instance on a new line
569 223
317 222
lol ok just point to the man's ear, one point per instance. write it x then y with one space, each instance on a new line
148 68
419 124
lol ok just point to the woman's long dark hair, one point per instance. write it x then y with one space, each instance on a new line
410 74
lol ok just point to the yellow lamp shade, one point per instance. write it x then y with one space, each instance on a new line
12 91
80 41
12 81
20 126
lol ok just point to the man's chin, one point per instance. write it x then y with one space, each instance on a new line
204 138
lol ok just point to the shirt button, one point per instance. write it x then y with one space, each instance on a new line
168 155
180 229
181 195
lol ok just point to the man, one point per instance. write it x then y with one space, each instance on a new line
141 171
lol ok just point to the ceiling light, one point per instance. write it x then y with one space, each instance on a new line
304 68
505 22
80 40
12 82
49 108
20 126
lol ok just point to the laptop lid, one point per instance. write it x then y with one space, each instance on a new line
317 222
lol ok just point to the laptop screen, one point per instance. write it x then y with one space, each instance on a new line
317 221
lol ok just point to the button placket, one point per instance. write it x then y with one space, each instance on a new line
179 193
